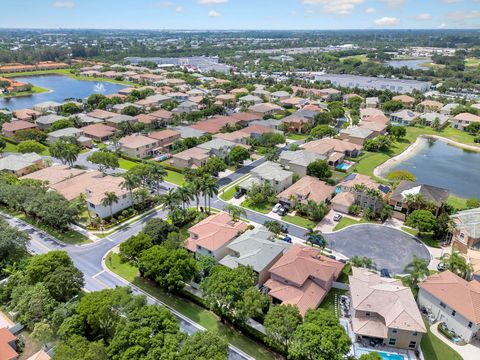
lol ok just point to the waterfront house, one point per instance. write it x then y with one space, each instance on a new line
467 230
70 132
298 161
461 121
404 117
9 129
47 106
357 135
44 122
329 145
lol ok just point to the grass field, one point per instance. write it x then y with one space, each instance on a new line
228 194
175 178
191 310
329 302
346 221
426 238
299 221
457 202
362 58
35 90
472 62
264 209
126 164
297 137
435 349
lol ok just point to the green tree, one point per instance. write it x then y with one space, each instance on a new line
131 110
104 159
235 211
321 131
13 246
237 155
473 203
109 199
158 229
42 333
319 169
209 189
397 131
363 262
252 304
392 105
66 151
214 165
423 220
31 146
417 269
324 118
274 226
207 345
171 269
457 264
33 304
79 348
371 356
280 324
399 175
60 124
70 108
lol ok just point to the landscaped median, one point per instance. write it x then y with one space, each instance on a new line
228 192
189 309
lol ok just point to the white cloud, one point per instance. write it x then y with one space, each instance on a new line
212 2
393 3
370 10
422 17
338 7
442 26
387 21
452 1
213 13
63 4
179 9
463 15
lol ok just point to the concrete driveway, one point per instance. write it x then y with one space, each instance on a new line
389 247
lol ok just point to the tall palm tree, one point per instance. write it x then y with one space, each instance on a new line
109 199
417 269
169 201
155 174
235 211
130 182
82 199
457 264
141 195
184 195
210 189
196 190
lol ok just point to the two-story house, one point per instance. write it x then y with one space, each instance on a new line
467 230
138 146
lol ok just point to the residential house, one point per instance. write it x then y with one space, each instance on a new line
178 96
70 132
279 95
357 135
119 119
40 355
218 147
118 108
343 201
399 197
329 93
150 121
238 137
257 249
296 124
239 91
298 161
293 102
302 277
271 172
261 93
8 345
47 106
346 98
44 122
87 120
9 129
430 117
378 128
256 131
372 102
368 112
188 132
329 145
407 101
273 124
245 117
404 117
430 106
26 114
265 109
165 138
101 114
307 189
190 158
54 174
186 107
98 132
215 124
467 230
384 310
164 117
21 164
138 146
95 193
447 109
211 236
250 100
461 121
156 100
453 301
228 100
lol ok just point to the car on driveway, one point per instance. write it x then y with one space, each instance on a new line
441 267
337 217
239 194
385 273
282 211
276 208
287 239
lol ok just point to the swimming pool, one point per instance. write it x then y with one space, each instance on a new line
384 355
343 166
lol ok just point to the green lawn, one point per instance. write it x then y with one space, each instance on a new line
264 209
175 178
126 164
368 161
346 221
35 90
472 62
362 58
329 302
457 202
426 238
193 311
299 221
228 194
10 147
435 349
297 137
347 270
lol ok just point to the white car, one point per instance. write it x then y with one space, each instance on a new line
276 207
337 217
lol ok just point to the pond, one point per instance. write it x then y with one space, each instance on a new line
440 164
411 64
62 87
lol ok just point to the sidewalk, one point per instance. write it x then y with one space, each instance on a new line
467 352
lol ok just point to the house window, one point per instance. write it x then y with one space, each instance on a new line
453 312
394 331
412 344
367 314
415 333
392 341
443 305
470 324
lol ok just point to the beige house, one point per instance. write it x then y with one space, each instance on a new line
298 161
307 189
191 158
453 301
9 129
21 164
384 310
165 138
406 100
264 109
356 135
461 121
138 146
467 230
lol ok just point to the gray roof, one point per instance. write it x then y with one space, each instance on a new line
280 93
271 171
433 193
65 132
250 98
123 106
217 144
408 115
121 118
267 123
432 116
47 104
468 221
254 248
48 119
359 132
85 119
17 162
188 132
300 157
372 100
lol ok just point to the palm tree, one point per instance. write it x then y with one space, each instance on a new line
210 189
82 199
141 195
155 174
184 195
130 182
315 237
235 211
196 189
109 199
169 201
457 264
417 269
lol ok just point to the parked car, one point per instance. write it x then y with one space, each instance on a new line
441 267
277 207
239 194
282 211
385 273
287 239
337 217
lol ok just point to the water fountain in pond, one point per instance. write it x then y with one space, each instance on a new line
99 88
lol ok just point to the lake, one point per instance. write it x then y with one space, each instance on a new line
411 64
62 87
439 164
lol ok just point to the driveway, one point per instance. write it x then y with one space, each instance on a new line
389 247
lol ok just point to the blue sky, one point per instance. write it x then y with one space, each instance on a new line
241 14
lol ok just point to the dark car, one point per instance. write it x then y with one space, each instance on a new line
282 211
239 194
385 273
287 239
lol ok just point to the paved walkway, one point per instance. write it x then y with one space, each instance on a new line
467 352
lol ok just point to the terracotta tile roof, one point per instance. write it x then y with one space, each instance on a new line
6 351
338 145
467 117
215 124
319 147
96 190
391 304
193 153
374 126
214 232
24 114
136 141
367 112
41 355
246 117
309 188
101 114
54 174
146 119
345 198
18 125
404 98
71 188
98 130
164 134
236 135
256 129
461 295
381 119
358 179
161 114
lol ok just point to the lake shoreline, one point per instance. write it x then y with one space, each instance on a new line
382 170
